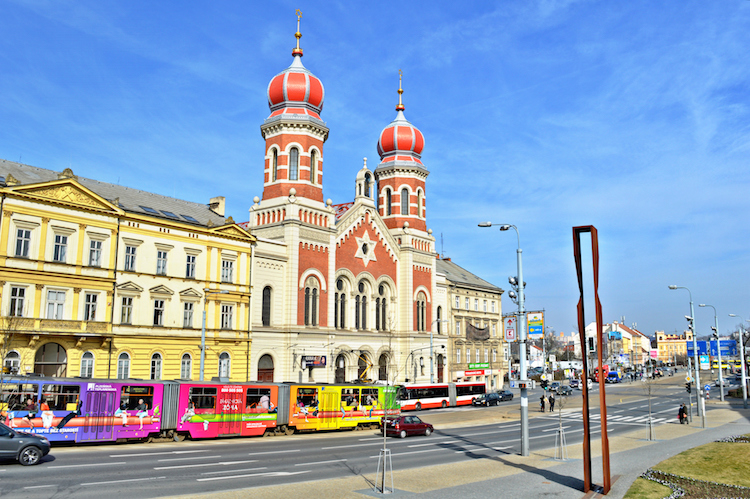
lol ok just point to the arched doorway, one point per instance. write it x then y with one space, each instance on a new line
265 368
440 365
340 369
383 367
51 360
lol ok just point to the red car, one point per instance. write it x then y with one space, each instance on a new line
402 426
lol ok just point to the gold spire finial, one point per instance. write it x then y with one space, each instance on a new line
400 106
298 35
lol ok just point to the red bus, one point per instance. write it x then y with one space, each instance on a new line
605 370
420 396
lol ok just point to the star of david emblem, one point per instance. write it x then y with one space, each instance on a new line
366 249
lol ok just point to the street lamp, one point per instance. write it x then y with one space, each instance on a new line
742 360
691 322
521 337
432 362
206 292
718 349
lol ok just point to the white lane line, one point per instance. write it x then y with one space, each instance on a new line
438 443
158 453
39 486
271 473
480 449
186 458
203 465
234 471
555 429
129 480
413 452
82 465
321 462
349 446
275 452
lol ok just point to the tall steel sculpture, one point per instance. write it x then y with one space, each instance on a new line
587 485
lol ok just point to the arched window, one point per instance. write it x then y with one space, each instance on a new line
12 362
340 305
383 368
275 166
123 366
311 301
367 184
87 365
404 201
156 366
51 360
381 309
360 306
388 207
438 320
186 367
265 368
224 364
293 163
421 307
266 308
313 166
419 204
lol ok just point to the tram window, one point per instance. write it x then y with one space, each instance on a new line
350 397
204 397
15 395
369 396
61 397
131 396
402 394
308 397
255 397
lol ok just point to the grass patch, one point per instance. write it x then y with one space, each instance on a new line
721 462
646 489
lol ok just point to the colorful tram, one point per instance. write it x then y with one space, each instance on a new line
415 397
96 410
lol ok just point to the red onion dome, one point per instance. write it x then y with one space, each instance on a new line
296 91
400 141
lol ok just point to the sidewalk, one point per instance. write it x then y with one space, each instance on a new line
513 476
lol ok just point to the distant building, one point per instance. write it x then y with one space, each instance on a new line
672 347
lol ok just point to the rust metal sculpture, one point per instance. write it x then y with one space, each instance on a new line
587 485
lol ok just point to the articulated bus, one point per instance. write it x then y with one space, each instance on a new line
429 396
96 410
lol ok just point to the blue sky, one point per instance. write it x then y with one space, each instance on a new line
632 116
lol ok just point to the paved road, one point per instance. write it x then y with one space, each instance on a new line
153 470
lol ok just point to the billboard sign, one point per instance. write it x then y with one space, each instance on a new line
728 348
509 325
313 361
535 322
702 348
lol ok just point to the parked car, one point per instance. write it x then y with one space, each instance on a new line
487 399
613 377
554 386
26 448
564 390
505 395
403 426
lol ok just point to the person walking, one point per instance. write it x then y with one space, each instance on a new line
541 403
551 402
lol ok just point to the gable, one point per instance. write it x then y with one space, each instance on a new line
234 231
356 223
129 286
190 293
67 192
161 290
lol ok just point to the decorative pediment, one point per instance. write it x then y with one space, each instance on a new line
233 230
190 293
161 290
66 191
129 286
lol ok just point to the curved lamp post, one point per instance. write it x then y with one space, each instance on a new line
691 323
742 360
521 337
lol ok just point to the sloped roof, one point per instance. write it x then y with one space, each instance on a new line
130 200
459 275
340 209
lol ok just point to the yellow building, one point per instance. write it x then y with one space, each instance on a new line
106 281
672 347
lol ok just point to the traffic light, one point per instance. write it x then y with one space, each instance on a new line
689 387
544 384
715 333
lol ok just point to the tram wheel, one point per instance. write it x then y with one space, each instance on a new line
290 430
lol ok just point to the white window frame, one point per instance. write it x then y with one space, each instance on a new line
188 308
123 365
458 302
458 355
161 261
227 316
476 304
23 242
467 302
60 248
126 310
89 306
225 364
458 328
17 301
95 253
186 368
190 266
493 306
227 270
130 257
484 305
159 306
57 312
87 365
156 366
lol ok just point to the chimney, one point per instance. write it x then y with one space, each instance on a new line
217 205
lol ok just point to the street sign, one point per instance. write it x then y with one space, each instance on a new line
702 348
689 378
535 323
509 324
707 388
728 348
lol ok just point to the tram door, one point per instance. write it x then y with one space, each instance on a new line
330 409
99 409
232 407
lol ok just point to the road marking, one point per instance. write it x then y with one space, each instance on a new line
275 452
234 471
479 449
39 486
158 453
438 443
204 465
271 473
130 480
186 458
349 446
555 429
413 452
82 465
321 462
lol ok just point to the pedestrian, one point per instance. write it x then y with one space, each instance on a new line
541 403
551 402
